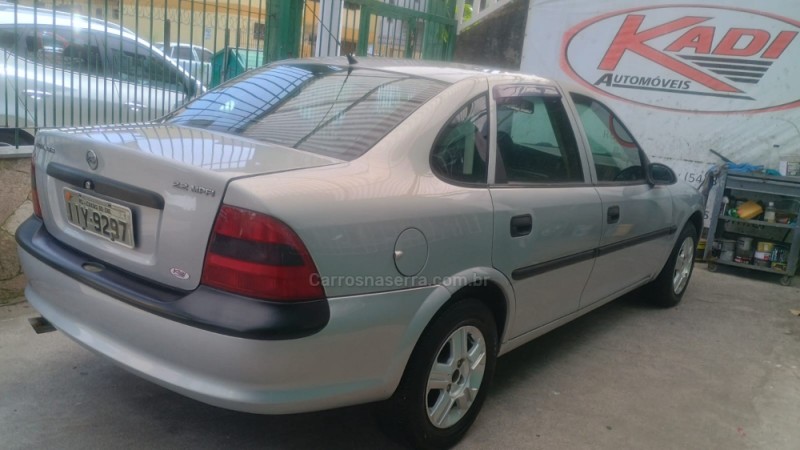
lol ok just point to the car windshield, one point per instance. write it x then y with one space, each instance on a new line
326 110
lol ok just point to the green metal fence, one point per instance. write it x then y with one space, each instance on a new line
73 63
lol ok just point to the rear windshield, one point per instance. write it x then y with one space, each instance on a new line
326 110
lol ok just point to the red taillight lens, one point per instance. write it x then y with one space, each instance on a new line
37 208
259 256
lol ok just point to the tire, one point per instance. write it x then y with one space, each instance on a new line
433 409
668 288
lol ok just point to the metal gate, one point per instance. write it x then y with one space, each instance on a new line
417 29
72 63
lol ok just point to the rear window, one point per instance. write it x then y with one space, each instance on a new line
321 109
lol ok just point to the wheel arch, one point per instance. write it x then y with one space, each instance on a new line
488 285
696 219
490 294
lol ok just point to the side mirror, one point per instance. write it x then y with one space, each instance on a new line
660 174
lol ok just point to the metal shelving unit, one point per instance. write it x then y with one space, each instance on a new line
758 186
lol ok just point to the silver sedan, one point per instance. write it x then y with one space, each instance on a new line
322 233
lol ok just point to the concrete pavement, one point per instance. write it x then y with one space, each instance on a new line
721 371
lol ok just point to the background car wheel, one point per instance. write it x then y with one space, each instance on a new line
667 290
446 380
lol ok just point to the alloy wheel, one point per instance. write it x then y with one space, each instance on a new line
455 376
683 265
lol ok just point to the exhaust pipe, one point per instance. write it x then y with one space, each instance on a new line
41 325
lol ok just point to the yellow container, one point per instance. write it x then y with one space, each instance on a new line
763 246
700 250
749 210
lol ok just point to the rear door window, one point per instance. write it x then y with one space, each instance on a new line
535 141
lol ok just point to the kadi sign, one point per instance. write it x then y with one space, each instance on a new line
727 53
685 78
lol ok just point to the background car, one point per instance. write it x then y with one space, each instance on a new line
64 70
195 59
316 234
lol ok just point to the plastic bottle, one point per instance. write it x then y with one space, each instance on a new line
769 213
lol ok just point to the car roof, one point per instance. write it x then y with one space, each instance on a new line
438 70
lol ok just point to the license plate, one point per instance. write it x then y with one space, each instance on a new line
99 217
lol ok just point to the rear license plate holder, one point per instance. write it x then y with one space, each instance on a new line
108 220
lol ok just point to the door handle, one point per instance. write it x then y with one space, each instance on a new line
613 214
521 225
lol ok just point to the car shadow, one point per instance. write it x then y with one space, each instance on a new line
180 422
524 362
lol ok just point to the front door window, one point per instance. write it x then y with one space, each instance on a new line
617 157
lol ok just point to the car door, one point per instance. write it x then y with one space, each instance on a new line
547 215
637 216
148 84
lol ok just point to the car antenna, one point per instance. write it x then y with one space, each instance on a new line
351 59
323 122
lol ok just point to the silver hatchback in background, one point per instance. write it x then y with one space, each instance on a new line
67 70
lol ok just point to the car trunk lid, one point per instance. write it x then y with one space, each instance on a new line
144 198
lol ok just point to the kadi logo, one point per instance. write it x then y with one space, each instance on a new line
689 58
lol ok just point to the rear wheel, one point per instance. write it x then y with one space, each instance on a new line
446 380
667 290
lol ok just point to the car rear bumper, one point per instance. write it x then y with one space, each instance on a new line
357 357
204 307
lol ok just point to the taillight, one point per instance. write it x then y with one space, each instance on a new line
258 256
37 207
